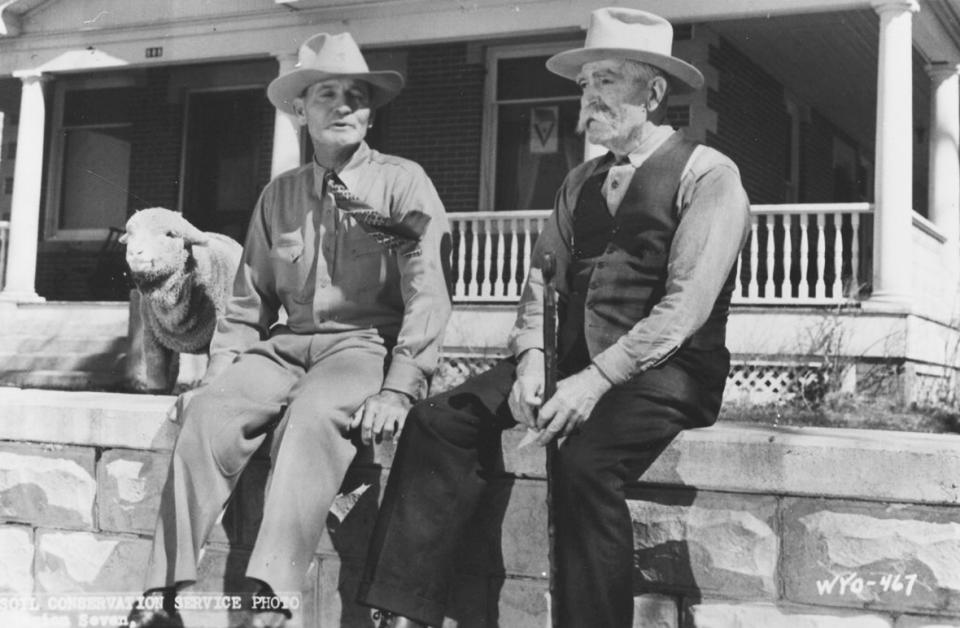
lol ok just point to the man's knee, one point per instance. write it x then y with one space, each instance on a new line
427 416
580 468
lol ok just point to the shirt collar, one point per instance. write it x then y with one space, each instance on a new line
650 144
350 172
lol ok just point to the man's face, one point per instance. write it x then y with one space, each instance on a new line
336 111
612 108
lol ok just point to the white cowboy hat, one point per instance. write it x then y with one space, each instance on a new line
618 33
326 56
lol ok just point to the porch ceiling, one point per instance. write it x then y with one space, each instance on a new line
827 61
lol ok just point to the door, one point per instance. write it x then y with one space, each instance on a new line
227 159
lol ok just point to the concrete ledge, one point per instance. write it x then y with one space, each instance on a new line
728 457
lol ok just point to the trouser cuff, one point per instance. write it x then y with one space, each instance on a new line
400 602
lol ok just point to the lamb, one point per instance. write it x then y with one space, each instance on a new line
183 277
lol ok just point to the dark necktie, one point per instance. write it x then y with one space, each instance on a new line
388 233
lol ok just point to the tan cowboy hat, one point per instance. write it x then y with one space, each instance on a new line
326 56
618 33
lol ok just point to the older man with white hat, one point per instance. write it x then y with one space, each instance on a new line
645 239
349 246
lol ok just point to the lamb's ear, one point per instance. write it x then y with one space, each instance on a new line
192 235
124 238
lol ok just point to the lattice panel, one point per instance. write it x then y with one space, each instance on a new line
455 369
769 382
934 390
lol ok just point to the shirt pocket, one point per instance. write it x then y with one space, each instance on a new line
290 266
363 273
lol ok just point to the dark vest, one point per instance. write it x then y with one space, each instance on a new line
619 268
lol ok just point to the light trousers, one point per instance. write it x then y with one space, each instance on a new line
305 390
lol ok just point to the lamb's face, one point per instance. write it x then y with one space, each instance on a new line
152 252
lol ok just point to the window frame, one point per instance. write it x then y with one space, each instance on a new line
52 231
488 163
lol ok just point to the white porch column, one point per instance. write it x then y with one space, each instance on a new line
27 182
286 131
944 190
893 219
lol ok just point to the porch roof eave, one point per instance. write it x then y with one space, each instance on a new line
374 24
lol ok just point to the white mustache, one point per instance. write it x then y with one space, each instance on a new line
594 112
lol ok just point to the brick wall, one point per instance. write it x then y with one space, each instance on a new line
437 121
733 526
752 122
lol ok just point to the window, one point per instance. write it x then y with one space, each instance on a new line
90 163
8 186
530 129
11 152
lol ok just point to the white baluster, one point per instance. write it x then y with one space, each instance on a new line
754 289
512 290
499 261
460 229
803 287
475 257
821 286
487 256
837 257
786 287
854 256
528 232
769 221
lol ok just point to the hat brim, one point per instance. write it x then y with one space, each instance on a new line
384 86
686 78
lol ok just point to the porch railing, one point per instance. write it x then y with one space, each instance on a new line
4 242
802 254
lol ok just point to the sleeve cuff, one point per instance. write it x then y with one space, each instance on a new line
615 364
406 377
520 342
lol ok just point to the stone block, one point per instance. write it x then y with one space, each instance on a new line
523 604
74 562
48 485
130 483
652 610
529 461
705 542
739 615
915 621
513 520
861 554
16 560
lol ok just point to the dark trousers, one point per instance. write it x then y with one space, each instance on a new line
436 482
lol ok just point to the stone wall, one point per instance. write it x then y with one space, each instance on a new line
734 526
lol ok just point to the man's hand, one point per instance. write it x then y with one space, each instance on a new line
381 416
526 396
572 404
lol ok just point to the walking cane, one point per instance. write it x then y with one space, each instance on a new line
549 269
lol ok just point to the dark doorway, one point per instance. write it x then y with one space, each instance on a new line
227 159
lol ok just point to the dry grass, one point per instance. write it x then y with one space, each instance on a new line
848 411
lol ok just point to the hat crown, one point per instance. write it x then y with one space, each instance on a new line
616 27
335 54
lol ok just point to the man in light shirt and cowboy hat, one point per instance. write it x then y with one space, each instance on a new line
645 239
349 246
